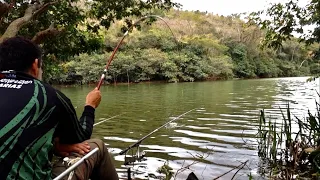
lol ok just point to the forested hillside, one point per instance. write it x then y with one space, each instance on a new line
204 47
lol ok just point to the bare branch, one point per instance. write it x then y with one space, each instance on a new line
42 35
239 170
16 25
241 165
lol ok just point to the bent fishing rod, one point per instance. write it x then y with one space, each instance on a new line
148 135
120 42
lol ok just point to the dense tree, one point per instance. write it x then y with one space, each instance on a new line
204 46
224 47
284 21
68 27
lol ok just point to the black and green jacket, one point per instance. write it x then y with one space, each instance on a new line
32 113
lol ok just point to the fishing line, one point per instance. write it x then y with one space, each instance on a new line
107 119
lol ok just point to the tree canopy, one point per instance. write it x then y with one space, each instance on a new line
209 47
284 20
69 27
77 35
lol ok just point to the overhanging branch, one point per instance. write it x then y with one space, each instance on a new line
43 8
16 25
42 35
32 11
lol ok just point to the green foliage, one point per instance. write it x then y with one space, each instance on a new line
208 47
150 64
290 152
77 23
266 68
223 48
282 22
53 72
166 170
243 67
87 66
285 19
315 68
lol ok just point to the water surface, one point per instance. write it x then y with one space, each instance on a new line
216 137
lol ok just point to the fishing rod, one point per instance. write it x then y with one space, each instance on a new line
120 42
146 136
107 119
75 165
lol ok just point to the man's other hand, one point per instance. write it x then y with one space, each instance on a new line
65 149
93 98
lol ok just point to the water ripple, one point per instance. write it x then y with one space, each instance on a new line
215 138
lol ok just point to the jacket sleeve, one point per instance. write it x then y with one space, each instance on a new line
70 130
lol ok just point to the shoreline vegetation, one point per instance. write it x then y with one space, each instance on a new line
209 47
290 147
106 83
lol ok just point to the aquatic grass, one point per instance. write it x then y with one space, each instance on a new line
290 154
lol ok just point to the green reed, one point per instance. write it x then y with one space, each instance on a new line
289 152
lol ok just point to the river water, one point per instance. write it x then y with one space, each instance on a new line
217 136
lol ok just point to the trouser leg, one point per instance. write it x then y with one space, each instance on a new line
99 166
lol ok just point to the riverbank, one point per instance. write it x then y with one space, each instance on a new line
106 83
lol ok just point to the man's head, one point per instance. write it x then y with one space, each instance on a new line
20 54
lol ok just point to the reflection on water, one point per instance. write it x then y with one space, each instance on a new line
214 138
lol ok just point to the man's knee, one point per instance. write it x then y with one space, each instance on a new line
96 143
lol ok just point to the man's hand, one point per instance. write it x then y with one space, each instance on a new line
65 149
93 98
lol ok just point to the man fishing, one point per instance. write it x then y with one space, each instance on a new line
37 121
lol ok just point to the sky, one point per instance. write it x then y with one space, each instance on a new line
228 7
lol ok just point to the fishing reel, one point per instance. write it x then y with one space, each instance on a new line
130 160
138 157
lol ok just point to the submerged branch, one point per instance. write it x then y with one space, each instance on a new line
238 167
